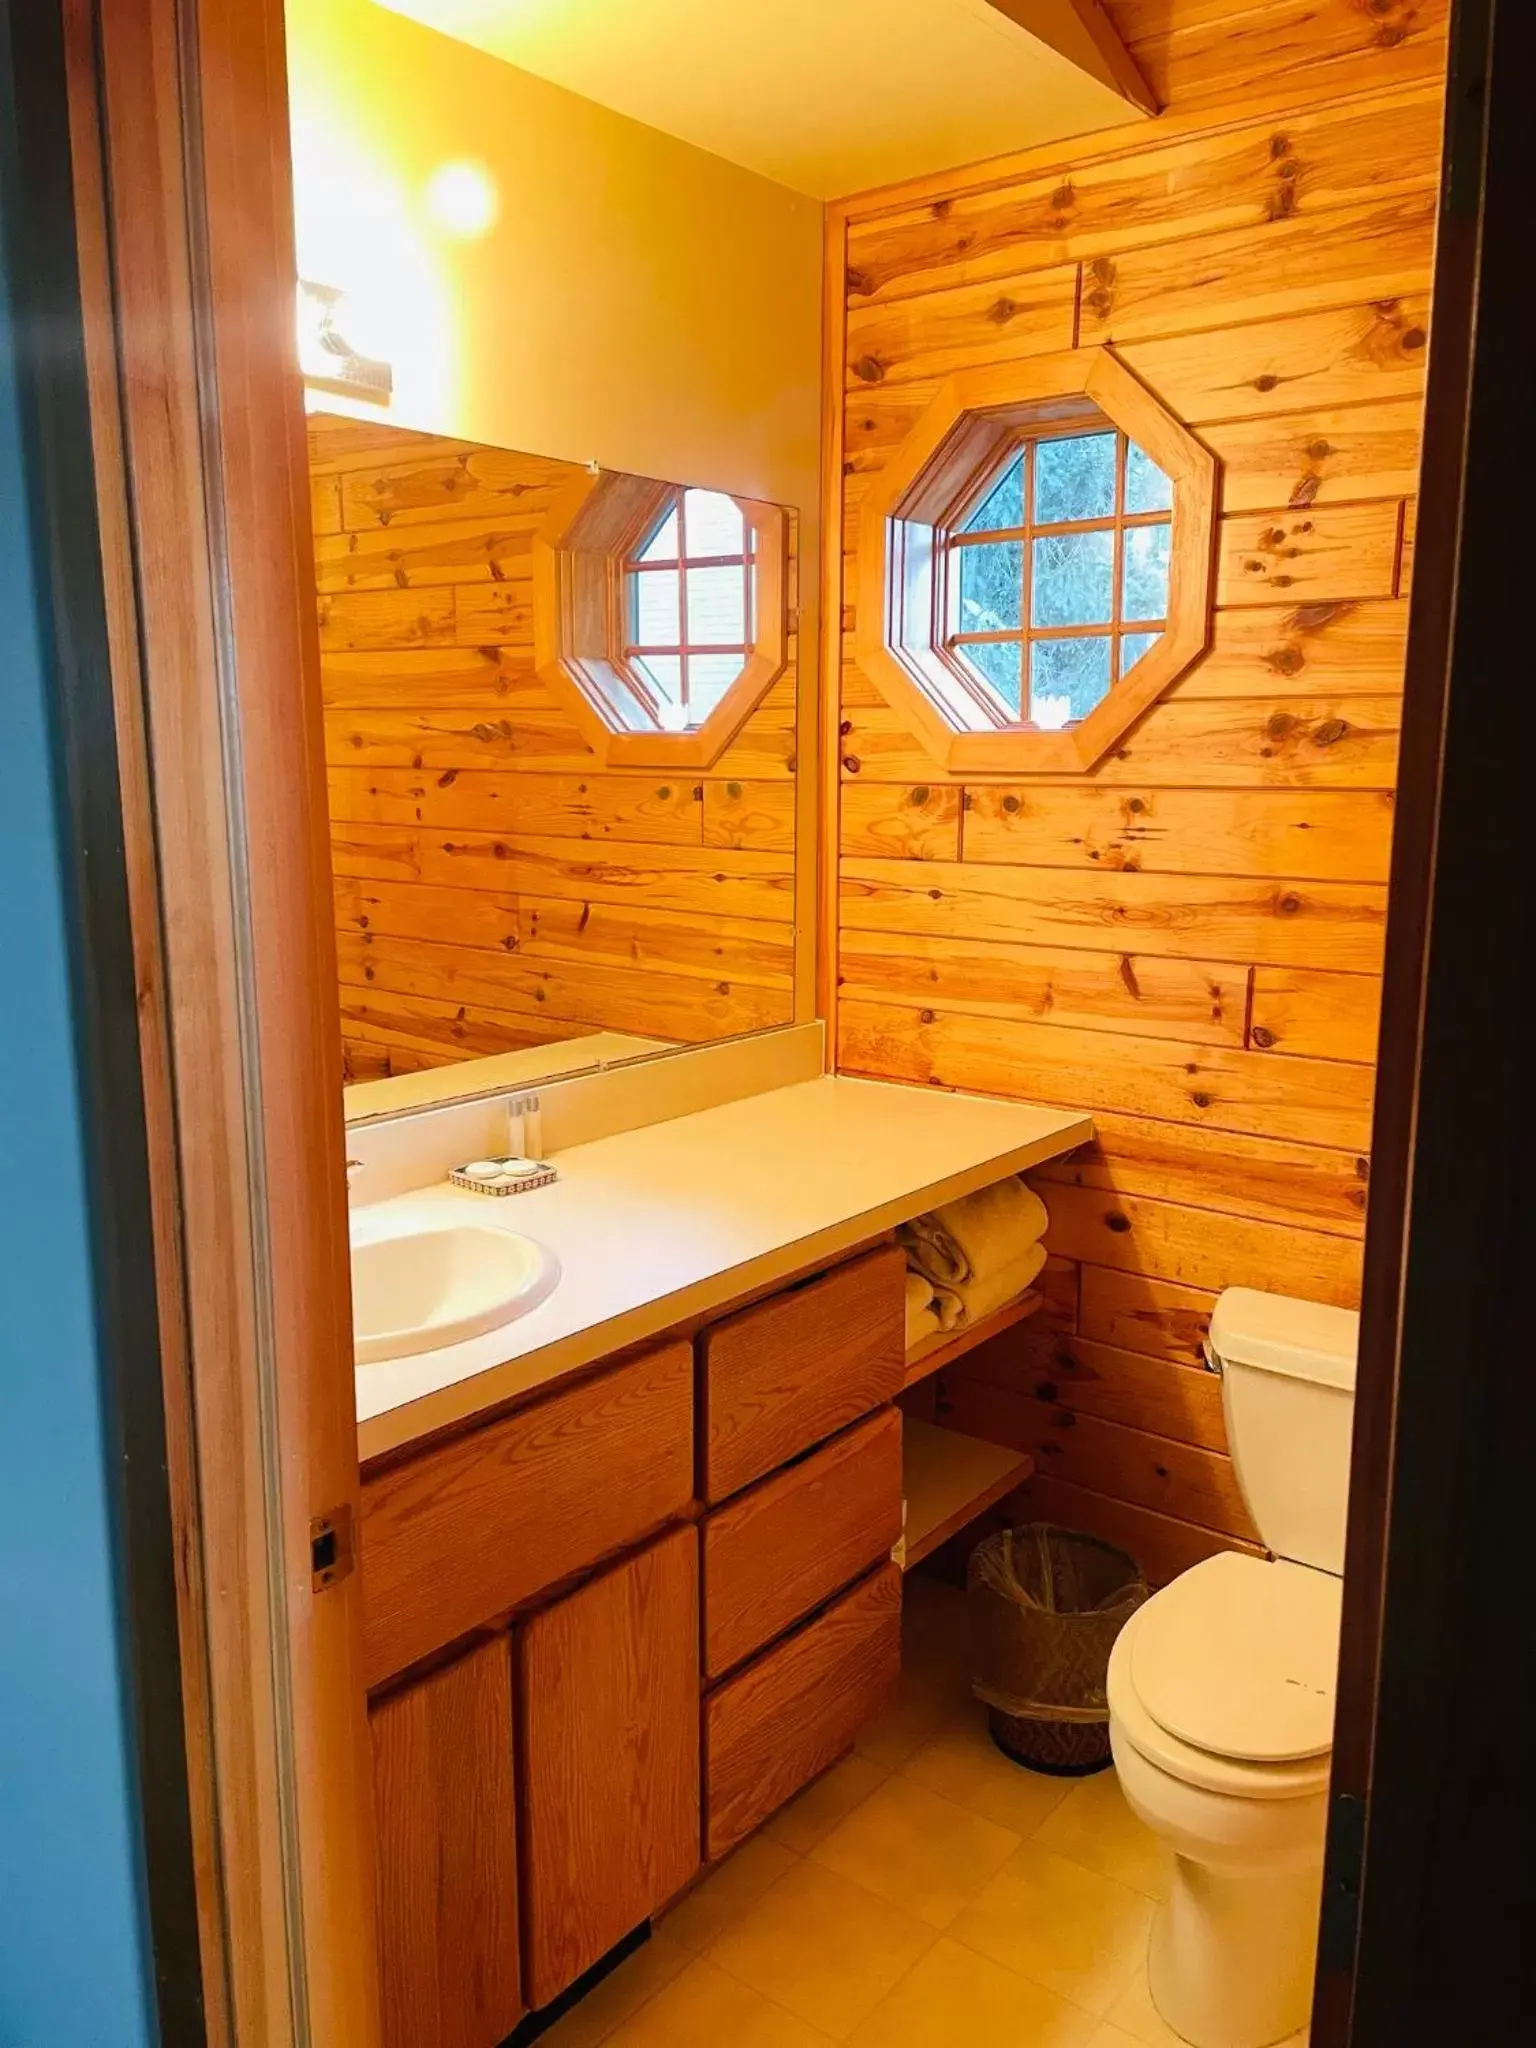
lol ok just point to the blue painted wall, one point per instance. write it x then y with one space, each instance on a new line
72 1946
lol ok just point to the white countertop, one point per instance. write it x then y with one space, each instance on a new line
658 1225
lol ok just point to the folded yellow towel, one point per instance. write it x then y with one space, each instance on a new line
922 1315
961 1241
973 1299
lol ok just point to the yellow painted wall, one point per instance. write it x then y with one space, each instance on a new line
636 300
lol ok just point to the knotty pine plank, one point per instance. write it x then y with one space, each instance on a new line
1203 1248
1213 51
1320 1015
1239 179
911 822
418 680
1320 835
611 997
1157 1395
646 808
1135 1312
1297 459
758 816
418 487
1309 742
1322 1102
1148 1471
1197 917
448 551
446 1031
1190 1000
1327 554
1341 648
1028 313
1299 264
1314 1187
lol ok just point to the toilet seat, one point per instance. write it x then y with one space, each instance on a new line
1225 1678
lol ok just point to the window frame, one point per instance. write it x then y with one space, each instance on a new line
581 564
955 539
912 504
633 653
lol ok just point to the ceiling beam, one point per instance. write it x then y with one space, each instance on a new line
1082 32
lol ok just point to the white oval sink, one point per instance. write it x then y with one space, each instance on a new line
427 1287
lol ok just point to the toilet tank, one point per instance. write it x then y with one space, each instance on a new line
1288 1389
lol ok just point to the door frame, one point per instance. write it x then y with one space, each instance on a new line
169 187
1428 1891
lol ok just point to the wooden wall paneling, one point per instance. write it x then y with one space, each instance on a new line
1311 742
1156 1472
1163 1545
1188 939
1240 180
1269 1179
1158 1396
445 1818
608 1704
1191 1000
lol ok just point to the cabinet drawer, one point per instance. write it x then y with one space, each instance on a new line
782 1375
789 1543
773 1727
608 1692
459 1535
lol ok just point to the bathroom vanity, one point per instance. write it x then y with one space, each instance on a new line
624 1598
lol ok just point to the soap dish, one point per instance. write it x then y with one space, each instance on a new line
503 1176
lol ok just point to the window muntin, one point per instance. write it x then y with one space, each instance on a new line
689 605
1055 575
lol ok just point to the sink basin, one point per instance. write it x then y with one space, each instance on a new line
421 1289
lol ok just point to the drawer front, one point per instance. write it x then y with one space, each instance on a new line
773 1727
457 1536
782 1375
787 1544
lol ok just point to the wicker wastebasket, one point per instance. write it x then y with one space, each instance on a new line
1045 1606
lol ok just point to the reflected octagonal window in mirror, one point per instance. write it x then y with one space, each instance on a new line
1036 563
660 615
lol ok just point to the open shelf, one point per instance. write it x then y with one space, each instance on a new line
935 1352
948 1480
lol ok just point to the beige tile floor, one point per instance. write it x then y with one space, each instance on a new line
925 1892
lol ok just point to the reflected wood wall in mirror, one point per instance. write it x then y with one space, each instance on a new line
500 894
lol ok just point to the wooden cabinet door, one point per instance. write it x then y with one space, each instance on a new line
608 1691
446 1834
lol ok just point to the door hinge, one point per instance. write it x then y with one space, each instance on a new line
1340 1929
331 1550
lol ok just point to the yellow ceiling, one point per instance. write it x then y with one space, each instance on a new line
826 96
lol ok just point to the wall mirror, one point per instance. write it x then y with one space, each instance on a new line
560 708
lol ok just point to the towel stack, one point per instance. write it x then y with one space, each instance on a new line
971 1257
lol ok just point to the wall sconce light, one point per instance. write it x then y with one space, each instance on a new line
327 359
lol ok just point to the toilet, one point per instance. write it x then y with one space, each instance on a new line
1221 1689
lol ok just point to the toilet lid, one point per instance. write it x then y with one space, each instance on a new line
1239 1657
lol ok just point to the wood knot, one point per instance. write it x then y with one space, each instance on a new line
1306 491
942 208
919 796
1012 805
1415 337
1263 1038
869 369
1286 661
851 764
1117 1221
1046 1391
1288 905
1102 270
1362 1169
1200 1099
1319 451
1279 146
1064 197
857 281
925 1016
1001 311
1331 730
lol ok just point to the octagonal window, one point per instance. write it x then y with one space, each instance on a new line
1055 576
661 614
1035 563
689 604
